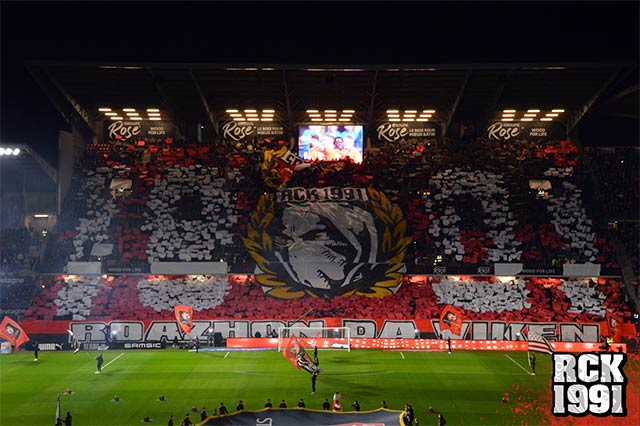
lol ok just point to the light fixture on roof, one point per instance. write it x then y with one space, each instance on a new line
551 114
116 118
392 111
526 119
250 110
508 115
331 115
118 67
153 110
155 118
9 151
40 215
128 109
507 119
239 119
269 111
408 119
410 111
153 114
104 109
509 110
232 110
533 110
557 110
316 119
135 118
546 119
132 114
530 115
266 119
422 119
235 114
110 114
429 111
394 119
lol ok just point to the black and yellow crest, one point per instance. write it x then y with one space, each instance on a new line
327 242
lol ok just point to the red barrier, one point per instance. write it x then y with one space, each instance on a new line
425 344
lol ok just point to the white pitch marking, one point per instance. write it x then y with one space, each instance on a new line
402 355
226 355
107 364
518 364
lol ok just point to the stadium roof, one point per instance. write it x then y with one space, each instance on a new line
468 93
26 171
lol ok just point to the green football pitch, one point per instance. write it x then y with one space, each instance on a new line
466 386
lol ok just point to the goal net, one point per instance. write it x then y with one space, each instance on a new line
322 337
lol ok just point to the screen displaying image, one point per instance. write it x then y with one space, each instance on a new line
330 142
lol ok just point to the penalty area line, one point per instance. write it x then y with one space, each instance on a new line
518 364
107 364
402 355
226 355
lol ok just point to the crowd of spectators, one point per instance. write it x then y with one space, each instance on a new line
617 182
467 202
174 189
629 234
480 298
16 295
19 249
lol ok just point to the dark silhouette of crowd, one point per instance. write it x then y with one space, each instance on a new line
19 249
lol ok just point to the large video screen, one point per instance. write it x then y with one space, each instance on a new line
330 142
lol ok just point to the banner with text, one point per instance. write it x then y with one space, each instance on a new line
389 132
327 242
133 131
245 131
530 130
166 330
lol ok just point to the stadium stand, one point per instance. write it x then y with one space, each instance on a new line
609 167
18 250
471 202
489 298
189 204
16 296
629 234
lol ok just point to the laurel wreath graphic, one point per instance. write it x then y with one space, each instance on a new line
270 169
393 246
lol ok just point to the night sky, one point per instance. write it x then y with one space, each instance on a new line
292 32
